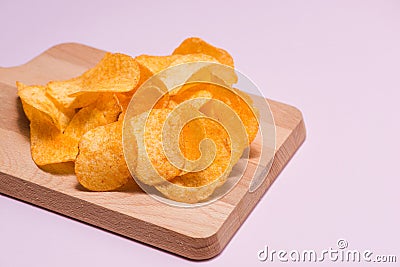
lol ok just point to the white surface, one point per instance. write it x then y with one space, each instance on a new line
337 61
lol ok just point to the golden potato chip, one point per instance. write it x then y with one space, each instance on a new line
59 168
48 144
36 97
123 100
100 165
154 64
104 111
238 103
153 165
190 91
190 195
218 167
60 90
194 187
188 58
114 73
198 46
149 153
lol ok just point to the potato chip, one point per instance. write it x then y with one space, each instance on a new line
190 91
190 195
188 58
59 168
100 165
198 46
194 187
154 64
48 144
149 153
60 90
153 165
104 111
36 97
114 73
241 106
219 135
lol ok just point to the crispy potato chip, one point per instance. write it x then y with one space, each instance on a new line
190 91
239 103
59 91
154 64
59 168
194 187
187 58
36 97
189 195
198 46
114 73
105 110
218 167
153 166
123 100
147 152
100 165
48 144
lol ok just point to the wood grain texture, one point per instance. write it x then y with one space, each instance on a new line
196 233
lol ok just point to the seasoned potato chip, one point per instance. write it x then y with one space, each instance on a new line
149 153
184 194
198 46
104 111
48 144
36 97
194 187
153 165
238 103
100 165
218 167
187 58
154 64
114 73
60 90
190 91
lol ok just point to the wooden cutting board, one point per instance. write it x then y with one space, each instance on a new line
196 233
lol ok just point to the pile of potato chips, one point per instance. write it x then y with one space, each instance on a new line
81 120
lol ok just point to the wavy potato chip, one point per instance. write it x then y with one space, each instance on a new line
48 144
36 97
194 187
100 165
189 195
153 165
219 165
105 110
188 58
239 102
114 73
154 64
198 46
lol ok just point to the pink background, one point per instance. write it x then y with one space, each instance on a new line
337 61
